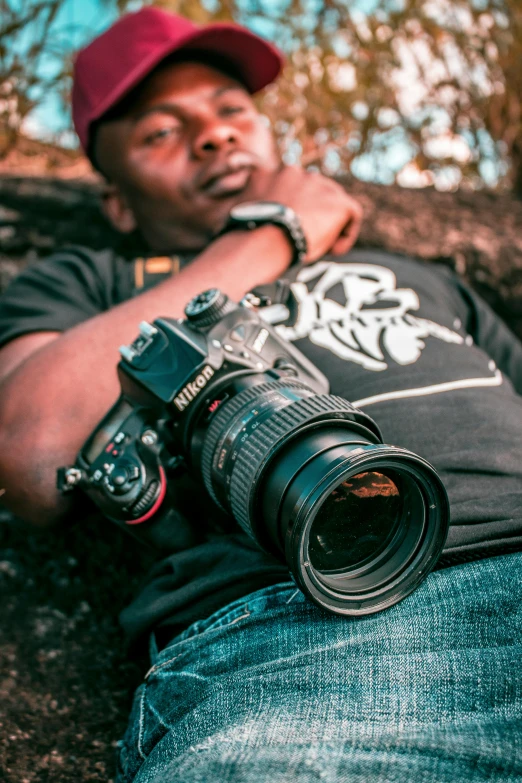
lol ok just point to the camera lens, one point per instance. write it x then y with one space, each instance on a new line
359 523
355 523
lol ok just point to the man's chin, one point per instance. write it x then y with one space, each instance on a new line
222 206
197 234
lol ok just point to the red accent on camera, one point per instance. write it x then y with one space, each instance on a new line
159 500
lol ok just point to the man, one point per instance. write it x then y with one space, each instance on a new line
249 680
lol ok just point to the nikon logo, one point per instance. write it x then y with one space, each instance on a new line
193 388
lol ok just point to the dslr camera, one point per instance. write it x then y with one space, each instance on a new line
219 394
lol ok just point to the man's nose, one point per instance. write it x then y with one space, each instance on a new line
214 136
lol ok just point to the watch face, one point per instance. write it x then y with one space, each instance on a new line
257 210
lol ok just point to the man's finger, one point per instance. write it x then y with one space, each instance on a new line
350 232
342 246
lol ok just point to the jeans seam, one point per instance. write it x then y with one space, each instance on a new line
157 666
292 597
242 617
141 725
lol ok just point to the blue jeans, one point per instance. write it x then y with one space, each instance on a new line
271 688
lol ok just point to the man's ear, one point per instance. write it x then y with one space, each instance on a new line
117 210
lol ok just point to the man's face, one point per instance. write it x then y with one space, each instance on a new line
189 146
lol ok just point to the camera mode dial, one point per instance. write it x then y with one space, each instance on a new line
208 308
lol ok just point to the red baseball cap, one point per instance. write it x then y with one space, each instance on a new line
120 58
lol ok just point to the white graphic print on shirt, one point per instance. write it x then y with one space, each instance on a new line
354 330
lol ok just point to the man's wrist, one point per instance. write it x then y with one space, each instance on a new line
252 215
267 248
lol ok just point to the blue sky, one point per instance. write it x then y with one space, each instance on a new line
77 22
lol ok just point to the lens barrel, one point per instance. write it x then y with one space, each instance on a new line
360 524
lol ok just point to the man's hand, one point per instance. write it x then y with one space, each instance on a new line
331 219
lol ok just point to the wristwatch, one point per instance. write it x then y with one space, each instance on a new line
253 214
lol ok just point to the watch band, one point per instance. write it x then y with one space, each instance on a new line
286 219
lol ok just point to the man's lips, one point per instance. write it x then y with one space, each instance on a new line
228 182
227 175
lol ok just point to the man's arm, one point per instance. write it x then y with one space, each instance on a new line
15 352
54 388
52 398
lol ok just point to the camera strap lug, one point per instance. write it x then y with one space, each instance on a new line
68 478
271 300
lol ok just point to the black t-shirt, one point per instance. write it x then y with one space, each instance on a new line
409 343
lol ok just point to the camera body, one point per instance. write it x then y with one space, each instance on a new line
174 378
221 397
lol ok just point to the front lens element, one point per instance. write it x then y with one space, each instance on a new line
355 523
359 523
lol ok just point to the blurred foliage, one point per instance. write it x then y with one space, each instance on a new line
411 91
25 38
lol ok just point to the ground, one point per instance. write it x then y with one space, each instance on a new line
66 675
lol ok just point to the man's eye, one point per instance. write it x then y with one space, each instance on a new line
160 134
226 111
